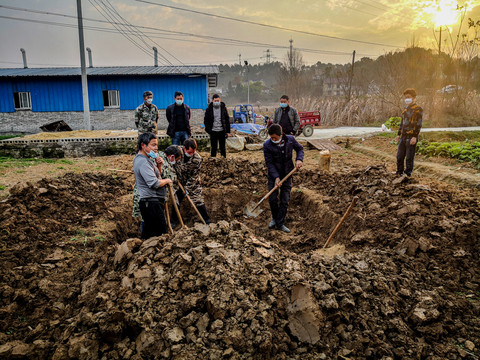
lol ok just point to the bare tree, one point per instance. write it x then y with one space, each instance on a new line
292 78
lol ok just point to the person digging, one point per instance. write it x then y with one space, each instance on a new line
278 151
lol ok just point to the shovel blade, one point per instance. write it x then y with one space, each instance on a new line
252 210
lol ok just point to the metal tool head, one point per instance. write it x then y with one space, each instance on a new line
252 210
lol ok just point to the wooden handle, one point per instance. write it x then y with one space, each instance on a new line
191 203
167 215
276 187
341 221
170 189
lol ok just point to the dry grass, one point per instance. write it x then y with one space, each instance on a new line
439 110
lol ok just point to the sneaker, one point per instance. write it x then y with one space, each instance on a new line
272 224
284 229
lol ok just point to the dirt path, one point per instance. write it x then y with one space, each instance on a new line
427 168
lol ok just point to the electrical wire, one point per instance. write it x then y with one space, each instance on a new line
218 40
267 25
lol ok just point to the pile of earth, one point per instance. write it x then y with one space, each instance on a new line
407 287
219 291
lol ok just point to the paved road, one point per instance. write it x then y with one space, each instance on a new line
359 131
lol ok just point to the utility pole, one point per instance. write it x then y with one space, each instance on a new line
268 56
440 42
291 54
248 83
240 59
351 77
86 107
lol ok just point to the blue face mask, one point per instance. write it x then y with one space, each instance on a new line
179 102
283 105
152 154
276 142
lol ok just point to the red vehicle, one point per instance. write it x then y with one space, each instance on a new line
308 119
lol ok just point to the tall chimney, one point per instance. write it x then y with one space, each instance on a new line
155 56
90 62
24 55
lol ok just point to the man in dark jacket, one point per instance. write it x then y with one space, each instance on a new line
408 132
178 117
278 151
217 125
287 117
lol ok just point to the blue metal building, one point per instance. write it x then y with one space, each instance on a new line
60 89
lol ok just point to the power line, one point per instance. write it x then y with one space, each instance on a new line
267 25
142 35
220 39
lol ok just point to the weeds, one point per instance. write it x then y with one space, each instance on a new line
461 151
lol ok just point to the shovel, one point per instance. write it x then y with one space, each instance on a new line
172 196
191 202
253 210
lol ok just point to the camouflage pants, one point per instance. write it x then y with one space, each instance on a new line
195 193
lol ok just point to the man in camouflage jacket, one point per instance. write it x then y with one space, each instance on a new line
408 132
188 173
146 115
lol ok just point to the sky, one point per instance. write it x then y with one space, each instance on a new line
322 30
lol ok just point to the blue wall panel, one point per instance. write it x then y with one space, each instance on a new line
6 96
65 93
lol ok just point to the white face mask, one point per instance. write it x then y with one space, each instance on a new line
188 155
149 101
172 161
276 142
408 101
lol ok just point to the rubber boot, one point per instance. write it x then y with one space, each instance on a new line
203 211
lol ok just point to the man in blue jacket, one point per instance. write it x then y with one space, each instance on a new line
278 151
178 117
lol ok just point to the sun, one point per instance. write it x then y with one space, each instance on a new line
444 12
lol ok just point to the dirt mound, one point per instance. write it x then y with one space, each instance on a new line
407 286
220 291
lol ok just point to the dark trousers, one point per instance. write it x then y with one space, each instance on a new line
279 200
408 151
153 214
201 208
218 137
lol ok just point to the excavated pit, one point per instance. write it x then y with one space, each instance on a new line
407 286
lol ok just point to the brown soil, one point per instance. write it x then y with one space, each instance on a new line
402 281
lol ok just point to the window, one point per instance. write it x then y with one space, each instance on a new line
22 100
111 98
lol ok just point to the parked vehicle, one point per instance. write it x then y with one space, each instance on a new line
449 89
308 119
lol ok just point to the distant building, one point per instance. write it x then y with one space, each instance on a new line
32 97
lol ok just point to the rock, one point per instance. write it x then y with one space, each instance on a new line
42 191
123 253
362 237
83 348
304 315
409 209
174 335
470 346
58 255
20 351
400 180
254 147
202 229
330 302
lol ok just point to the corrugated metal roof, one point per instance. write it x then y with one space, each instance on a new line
113 70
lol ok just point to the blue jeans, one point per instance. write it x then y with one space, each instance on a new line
179 137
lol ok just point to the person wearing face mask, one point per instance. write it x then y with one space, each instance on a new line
278 152
167 172
178 117
146 115
408 131
217 125
147 168
287 117
187 169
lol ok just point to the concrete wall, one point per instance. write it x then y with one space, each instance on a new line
79 147
28 122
